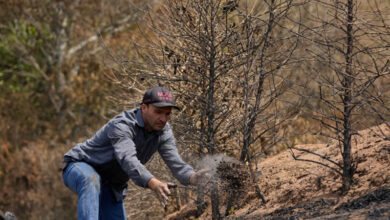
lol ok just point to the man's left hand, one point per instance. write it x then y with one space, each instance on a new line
161 189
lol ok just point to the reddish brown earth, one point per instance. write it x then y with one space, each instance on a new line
301 190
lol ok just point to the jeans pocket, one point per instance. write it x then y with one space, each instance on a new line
65 173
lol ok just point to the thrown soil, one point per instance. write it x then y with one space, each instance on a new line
233 176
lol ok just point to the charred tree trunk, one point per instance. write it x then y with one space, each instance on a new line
347 102
200 203
230 203
215 201
257 187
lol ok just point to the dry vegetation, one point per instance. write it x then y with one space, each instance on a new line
257 80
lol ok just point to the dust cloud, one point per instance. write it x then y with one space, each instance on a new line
211 163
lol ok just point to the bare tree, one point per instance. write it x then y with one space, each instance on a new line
227 67
194 56
267 47
349 49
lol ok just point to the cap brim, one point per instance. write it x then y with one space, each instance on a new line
162 104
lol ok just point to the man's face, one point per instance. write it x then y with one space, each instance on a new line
154 117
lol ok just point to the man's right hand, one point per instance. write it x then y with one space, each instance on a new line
161 189
201 177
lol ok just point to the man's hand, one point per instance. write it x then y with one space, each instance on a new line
161 189
201 177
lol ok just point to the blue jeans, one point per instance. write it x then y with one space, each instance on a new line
94 202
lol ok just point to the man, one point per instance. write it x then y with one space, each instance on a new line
98 169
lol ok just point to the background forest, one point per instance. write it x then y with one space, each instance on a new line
254 78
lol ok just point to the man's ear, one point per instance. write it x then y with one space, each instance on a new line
143 107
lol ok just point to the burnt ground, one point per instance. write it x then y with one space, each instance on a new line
301 190
374 205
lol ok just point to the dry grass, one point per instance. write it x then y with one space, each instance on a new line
31 185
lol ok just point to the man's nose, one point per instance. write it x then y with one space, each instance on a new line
164 118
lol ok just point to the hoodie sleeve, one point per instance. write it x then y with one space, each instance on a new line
121 138
168 151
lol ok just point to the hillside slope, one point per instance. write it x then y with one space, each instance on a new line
301 190
306 190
